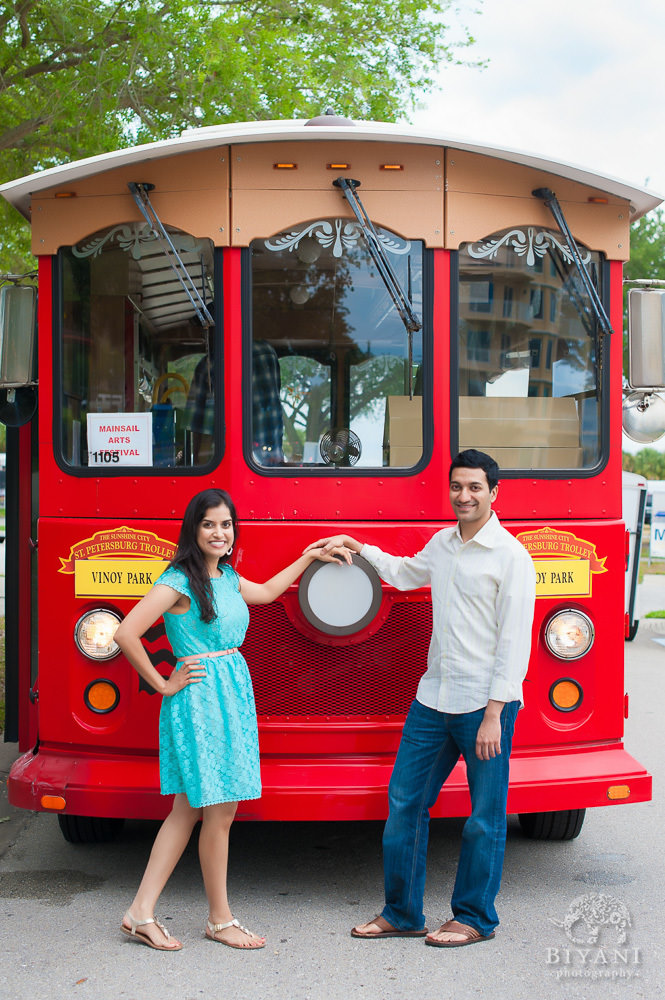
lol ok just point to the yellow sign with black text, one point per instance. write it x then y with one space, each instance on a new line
565 564
117 562
116 577
562 577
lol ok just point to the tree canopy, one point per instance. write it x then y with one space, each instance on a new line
82 77
647 247
648 462
647 260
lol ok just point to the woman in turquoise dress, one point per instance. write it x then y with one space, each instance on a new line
208 739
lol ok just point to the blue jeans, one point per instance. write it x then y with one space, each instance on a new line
430 747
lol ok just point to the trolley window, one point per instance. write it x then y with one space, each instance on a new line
335 380
136 352
530 387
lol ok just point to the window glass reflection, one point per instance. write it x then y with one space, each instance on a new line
530 392
138 382
320 309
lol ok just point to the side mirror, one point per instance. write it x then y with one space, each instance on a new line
646 338
18 306
643 417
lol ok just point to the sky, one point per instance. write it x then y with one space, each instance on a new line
578 80
582 81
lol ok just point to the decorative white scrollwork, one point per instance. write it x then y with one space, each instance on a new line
133 238
340 234
534 243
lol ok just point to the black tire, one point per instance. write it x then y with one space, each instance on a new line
564 825
89 829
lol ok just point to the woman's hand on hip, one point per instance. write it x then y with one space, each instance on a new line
190 672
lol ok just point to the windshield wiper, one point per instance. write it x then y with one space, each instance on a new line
147 209
401 300
550 199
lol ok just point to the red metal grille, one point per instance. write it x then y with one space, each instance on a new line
294 675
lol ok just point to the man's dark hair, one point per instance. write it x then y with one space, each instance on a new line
472 459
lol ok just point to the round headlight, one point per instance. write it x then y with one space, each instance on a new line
94 634
569 634
339 599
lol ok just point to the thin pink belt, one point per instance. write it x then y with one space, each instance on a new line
208 656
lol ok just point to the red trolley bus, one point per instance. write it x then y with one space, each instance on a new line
315 316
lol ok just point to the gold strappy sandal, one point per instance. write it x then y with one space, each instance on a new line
212 929
142 938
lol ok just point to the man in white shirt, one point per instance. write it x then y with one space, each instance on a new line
483 592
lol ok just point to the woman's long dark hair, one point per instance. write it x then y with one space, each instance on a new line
188 556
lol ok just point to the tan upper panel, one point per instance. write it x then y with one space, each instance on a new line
257 214
485 195
191 192
317 165
408 201
19 192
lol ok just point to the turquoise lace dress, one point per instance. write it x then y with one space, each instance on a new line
208 739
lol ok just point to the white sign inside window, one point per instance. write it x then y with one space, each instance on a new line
119 439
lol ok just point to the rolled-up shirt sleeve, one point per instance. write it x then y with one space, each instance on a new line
401 572
514 609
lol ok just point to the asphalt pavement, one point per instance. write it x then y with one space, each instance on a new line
12 820
650 597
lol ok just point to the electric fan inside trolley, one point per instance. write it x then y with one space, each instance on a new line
340 447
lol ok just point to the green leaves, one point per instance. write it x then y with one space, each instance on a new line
648 462
82 77
647 247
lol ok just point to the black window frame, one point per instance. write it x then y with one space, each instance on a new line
112 472
606 347
326 471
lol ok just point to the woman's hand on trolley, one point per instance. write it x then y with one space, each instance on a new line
329 552
265 593
335 546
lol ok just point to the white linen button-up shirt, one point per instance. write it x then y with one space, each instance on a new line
483 595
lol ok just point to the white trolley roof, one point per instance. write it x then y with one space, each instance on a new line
19 192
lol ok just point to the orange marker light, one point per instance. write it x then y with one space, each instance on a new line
52 802
566 695
101 696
